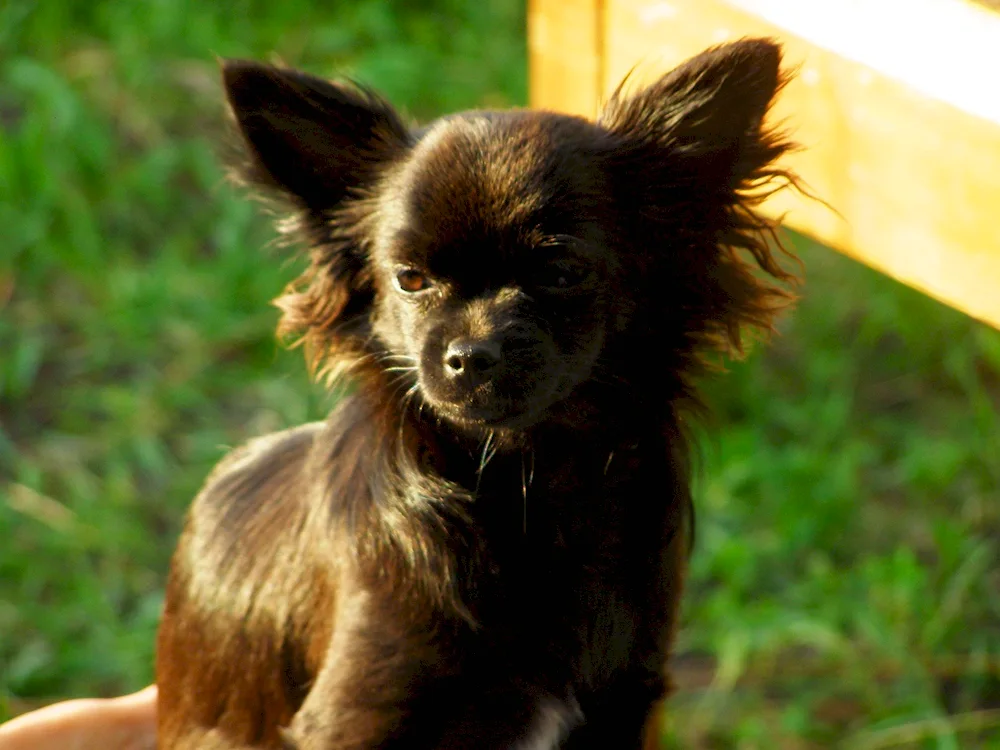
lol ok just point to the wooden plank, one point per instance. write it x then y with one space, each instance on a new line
565 44
891 36
901 137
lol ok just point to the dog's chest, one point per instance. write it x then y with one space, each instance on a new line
573 606
575 590
552 722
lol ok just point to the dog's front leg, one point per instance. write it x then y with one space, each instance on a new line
361 697
444 713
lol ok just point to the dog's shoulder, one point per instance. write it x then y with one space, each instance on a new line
250 506
260 463
253 487
286 468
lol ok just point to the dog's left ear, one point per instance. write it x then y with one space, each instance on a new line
691 158
708 112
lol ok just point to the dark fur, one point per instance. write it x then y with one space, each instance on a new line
481 549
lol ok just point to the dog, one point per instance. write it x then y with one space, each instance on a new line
484 545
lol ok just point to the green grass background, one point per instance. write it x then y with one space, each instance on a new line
845 590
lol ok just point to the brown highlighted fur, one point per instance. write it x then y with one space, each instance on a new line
484 545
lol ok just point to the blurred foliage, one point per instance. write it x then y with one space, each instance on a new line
846 584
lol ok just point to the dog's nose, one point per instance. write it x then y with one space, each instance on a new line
471 360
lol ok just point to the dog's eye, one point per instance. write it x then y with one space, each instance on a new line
560 276
410 280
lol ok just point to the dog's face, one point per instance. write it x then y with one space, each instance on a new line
494 262
491 263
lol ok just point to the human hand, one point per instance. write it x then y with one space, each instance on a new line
126 723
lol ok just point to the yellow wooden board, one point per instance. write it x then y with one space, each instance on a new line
900 135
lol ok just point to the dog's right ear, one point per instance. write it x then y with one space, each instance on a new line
312 139
319 145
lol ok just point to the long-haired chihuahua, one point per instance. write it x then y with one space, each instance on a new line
483 547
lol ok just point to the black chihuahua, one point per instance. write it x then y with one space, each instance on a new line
484 545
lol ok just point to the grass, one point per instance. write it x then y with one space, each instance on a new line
845 585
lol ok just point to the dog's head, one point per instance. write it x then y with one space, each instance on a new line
502 260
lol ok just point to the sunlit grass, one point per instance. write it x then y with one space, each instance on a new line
845 587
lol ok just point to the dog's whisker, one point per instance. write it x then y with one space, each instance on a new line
489 450
524 495
485 448
411 393
405 404
496 446
403 359
399 380
485 457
